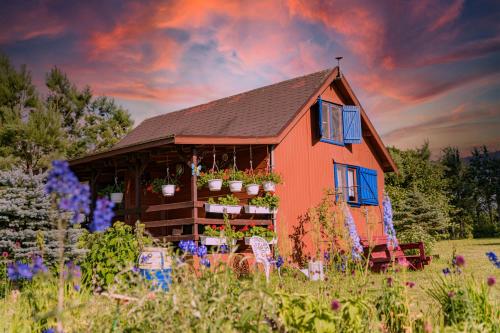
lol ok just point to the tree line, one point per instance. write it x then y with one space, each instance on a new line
66 122
451 197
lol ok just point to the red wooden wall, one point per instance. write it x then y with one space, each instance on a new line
306 165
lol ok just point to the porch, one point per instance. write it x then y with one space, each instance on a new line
181 216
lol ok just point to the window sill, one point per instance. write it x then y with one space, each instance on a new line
333 142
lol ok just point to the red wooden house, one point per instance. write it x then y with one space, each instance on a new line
310 129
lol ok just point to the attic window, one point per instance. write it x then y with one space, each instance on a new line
339 124
331 122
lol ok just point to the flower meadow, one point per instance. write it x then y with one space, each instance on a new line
103 290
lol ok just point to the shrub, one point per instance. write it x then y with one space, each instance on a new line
110 252
27 223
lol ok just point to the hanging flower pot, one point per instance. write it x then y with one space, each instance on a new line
252 189
235 185
116 197
168 190
269 186
215 184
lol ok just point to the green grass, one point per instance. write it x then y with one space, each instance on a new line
220 302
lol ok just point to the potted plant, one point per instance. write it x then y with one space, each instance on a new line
251 183
213 235
269 181
234 179
268 204
168 185
228 204
113 191
212 178
265 232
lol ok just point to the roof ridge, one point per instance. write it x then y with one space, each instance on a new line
238 94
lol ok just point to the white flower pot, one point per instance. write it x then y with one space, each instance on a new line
269 186
250 209
252 189
270 242
216 241
315 269
229 209
235 185
215 184
116 197
168 190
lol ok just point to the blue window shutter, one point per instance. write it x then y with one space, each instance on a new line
352 124
320 111
368 194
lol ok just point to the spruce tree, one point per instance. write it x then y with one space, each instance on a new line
27 219
416 219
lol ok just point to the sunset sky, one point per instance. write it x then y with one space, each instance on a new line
422 69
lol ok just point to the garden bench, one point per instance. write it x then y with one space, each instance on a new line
380 256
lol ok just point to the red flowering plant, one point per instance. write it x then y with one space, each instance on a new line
212 231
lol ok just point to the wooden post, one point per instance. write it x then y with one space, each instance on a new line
137 188
194 191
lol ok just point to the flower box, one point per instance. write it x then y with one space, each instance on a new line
273 241
215 241
216 208
251 209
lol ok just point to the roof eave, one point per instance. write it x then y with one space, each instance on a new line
121 150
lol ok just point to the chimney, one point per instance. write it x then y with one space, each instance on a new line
339 75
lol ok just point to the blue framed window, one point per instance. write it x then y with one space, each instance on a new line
356 185
330 122
339 124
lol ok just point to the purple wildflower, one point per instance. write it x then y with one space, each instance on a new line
188 246
72 196
49 330
279 262
491 281
19 271
353 233
326 255
459 261
410 284
389 230
446 271
205 262
38 265
335 305
72 270
103 214
224 248
201 251
76 287
135 269
493 258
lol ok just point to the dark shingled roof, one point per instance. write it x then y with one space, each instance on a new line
262 112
